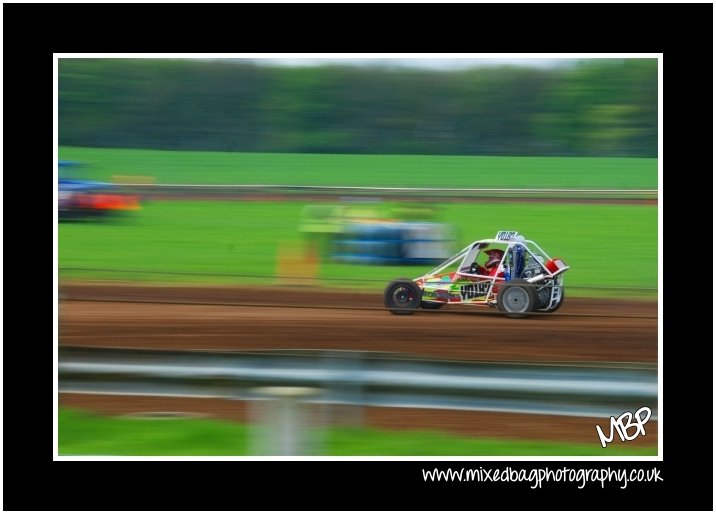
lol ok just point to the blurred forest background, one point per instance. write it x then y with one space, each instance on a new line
597 107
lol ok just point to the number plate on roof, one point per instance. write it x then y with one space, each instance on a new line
506 235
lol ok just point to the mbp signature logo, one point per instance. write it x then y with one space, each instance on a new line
623 423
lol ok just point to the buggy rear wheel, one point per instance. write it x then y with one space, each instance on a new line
559 302
544 298
402 296
517 299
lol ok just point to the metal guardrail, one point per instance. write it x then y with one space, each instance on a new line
359 378
318 190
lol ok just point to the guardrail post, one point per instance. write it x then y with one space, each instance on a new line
282 423
346 407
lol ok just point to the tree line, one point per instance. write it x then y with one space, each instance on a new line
597 107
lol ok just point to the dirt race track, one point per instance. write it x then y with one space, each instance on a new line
172 317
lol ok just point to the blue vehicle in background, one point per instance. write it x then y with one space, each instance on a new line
372 232
393 242
79 199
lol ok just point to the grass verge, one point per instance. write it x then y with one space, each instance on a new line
84 433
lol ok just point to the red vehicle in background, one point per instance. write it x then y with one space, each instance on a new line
87 199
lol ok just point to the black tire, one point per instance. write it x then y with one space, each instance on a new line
431 306
402 296
517 298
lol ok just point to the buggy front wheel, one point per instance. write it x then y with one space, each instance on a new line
402 296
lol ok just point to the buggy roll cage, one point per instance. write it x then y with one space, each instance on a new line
522 259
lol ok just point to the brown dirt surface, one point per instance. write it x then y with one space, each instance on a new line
250 318
299 318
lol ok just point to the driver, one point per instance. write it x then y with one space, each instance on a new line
494 257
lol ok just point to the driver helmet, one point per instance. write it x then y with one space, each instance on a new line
493 258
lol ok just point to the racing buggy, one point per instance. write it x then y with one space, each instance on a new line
508 272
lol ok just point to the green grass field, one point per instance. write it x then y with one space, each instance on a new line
238 242
83 433
175 167
231 242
